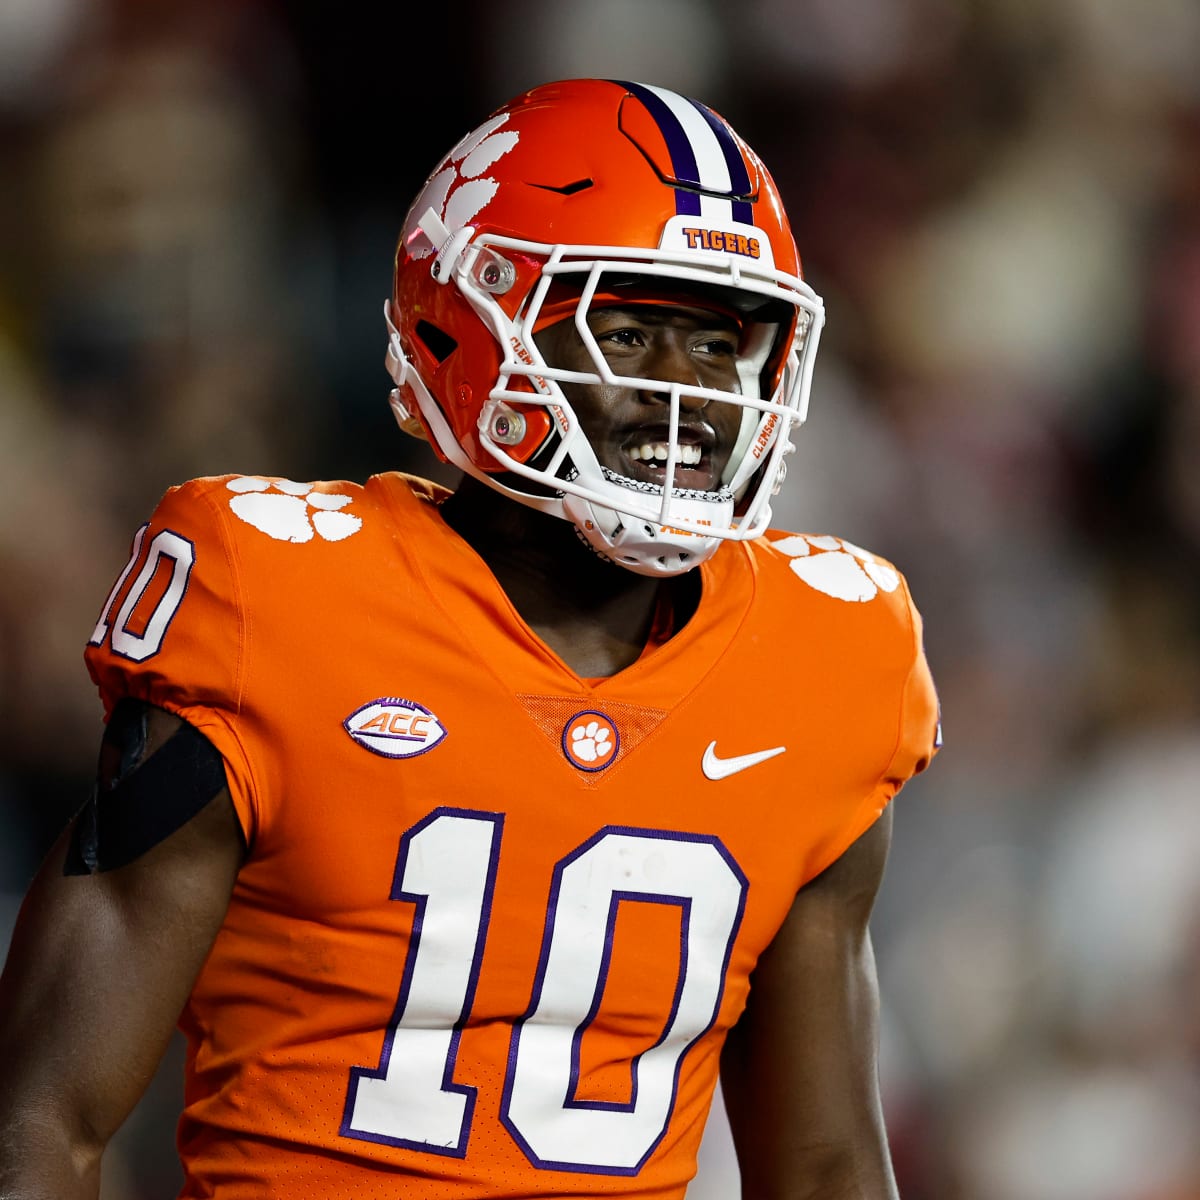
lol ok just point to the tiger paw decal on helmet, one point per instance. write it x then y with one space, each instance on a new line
290 511
464 167
838 568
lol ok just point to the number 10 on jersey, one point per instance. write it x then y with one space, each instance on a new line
447 868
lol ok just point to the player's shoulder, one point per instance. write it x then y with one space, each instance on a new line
256 512
857 606
285 510
252 535
828 589
831 568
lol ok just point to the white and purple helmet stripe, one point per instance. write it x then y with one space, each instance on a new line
704 156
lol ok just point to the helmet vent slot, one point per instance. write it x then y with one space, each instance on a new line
437 341
566 189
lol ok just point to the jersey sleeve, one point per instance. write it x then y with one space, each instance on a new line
919 735
899 690
173 630
869 708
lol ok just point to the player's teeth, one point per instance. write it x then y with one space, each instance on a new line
659 452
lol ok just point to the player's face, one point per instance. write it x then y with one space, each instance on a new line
629 427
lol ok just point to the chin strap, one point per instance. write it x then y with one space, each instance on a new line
400 368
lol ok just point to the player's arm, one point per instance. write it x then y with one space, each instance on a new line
99 969
799 1071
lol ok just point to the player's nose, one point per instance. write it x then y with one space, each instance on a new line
670 362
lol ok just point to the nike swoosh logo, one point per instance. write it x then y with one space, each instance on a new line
722 768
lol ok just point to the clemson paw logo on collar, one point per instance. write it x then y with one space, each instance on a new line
838 568
590 741
292 512
460 190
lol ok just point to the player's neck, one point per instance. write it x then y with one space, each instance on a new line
594 614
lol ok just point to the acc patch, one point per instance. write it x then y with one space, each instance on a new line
395 728
589 740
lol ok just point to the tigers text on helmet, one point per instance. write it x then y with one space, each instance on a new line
575 196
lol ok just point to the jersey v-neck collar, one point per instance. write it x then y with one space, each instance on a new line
462 586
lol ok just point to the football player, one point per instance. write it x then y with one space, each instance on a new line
470 836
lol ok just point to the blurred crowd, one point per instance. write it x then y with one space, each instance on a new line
1000 203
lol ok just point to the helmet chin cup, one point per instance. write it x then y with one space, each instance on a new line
645 546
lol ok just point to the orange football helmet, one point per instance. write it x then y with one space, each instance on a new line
575 195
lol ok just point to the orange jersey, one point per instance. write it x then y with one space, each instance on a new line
495 919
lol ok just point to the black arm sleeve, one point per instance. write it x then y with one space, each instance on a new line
148 800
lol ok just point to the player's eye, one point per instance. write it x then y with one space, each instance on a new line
717 347
625 336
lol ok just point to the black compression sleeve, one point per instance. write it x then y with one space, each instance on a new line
147 802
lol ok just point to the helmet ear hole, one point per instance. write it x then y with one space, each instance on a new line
437 341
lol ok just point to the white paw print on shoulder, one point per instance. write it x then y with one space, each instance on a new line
292 512
838 568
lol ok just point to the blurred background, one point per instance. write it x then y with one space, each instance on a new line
1000 203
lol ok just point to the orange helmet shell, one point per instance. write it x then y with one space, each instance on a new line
585 162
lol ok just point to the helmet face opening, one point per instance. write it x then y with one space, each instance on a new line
529 225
